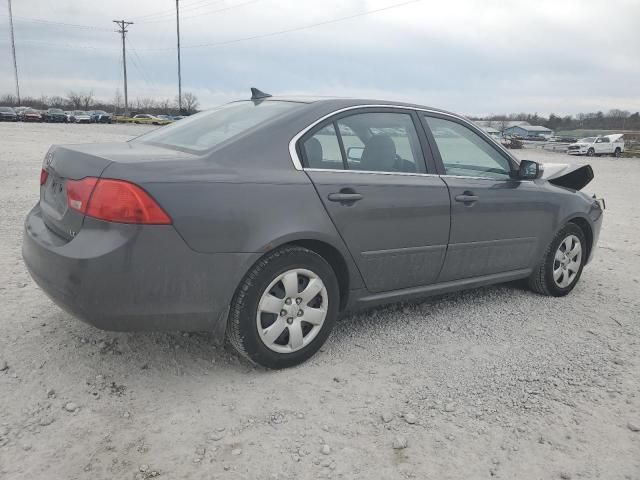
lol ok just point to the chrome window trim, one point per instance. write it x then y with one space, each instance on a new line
298 164
373 172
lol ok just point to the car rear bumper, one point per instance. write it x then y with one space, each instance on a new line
131 277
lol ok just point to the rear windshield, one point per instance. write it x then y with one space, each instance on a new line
207 129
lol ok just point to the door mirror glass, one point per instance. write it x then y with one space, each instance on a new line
355 153
529 170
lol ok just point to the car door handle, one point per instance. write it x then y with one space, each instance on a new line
345 197
467 198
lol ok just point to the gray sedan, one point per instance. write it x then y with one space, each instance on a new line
262 220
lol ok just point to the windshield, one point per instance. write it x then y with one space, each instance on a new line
587 140
6 109
79 112
207 129
55 110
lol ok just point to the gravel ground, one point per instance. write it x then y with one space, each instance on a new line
496 382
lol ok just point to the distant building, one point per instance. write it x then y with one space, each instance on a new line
494 132
528 131
498 124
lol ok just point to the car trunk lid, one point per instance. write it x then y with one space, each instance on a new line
74 162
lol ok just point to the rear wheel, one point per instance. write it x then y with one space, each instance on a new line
562 264
284 308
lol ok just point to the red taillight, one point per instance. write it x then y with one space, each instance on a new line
43 176
115 201
79 193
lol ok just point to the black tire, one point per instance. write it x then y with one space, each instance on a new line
541 279
617 153
242 330
591 152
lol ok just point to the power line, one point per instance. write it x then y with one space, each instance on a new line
179 72
13 50
139 64
52 23
231 7
187 7
123 31
294 29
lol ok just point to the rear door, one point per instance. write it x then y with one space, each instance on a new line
497 220
369 170
602 145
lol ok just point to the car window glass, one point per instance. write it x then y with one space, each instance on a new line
322 150
465 153
381 142
205 130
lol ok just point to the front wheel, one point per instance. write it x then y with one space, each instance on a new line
562 264
591 152
617 153
284 309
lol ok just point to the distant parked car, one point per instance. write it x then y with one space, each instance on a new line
55 115
168 118
601 145
149 119
80 116
563 139
19 111
100 116
8 114
31 115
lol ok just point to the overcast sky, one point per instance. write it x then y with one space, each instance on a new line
469 56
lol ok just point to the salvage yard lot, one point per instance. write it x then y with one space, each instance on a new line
492 382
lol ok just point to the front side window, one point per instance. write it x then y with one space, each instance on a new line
465 153
207 129
372 142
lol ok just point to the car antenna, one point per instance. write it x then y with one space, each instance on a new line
258 95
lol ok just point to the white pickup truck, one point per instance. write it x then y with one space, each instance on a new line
602 145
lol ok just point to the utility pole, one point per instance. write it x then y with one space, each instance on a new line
179 73
13 49
123 31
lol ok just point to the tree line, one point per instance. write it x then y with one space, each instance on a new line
87 101
612 120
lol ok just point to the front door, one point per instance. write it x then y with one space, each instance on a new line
369 171
496 219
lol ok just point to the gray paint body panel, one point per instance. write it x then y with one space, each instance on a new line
235 202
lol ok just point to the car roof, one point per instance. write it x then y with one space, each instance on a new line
343 102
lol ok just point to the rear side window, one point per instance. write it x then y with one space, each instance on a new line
372 142
322 150
207 129
465 153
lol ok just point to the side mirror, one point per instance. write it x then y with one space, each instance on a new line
529 170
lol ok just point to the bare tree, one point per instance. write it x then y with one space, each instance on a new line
87 100
9 99
75 99
189 103
164 105
117 100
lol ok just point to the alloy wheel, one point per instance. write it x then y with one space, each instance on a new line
567 261
292 310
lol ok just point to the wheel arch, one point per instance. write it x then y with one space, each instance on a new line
335 258
585 226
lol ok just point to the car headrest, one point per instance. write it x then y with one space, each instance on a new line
313 152
379 153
